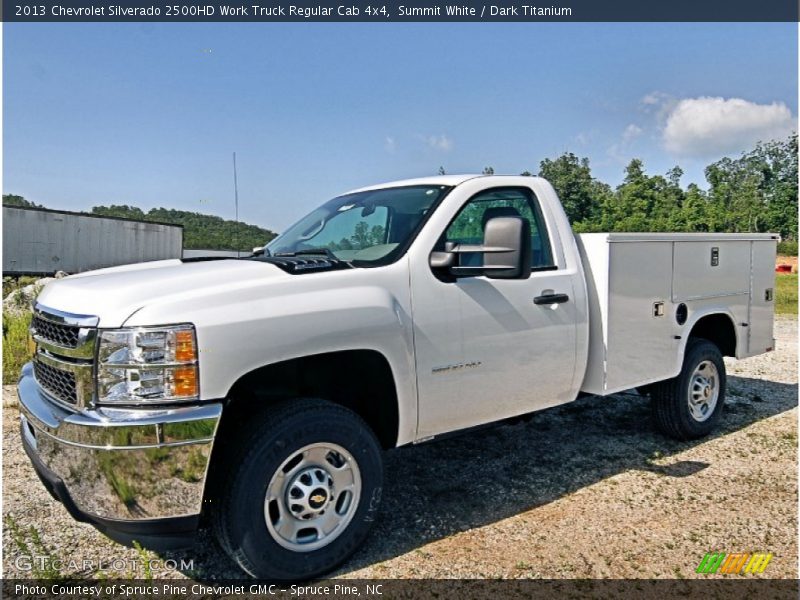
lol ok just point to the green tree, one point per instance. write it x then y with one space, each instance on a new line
627 209
734 194
121 210
581 194
695 213
361 238
15 200
778 162
643 202
757 191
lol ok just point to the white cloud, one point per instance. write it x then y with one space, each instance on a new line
441 142
583 138
631 133
654 100
658 104
619 151
651 98
706 127
389 144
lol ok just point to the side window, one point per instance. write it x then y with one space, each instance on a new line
467 228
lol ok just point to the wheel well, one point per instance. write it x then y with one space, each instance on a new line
361 380
719 330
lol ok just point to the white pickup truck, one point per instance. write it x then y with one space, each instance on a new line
257 395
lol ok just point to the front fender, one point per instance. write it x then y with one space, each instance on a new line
358 309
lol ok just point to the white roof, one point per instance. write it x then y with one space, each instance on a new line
449 180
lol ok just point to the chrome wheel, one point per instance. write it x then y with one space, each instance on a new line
312 497
703 391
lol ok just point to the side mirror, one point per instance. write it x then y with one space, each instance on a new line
506 251
258 250
514 235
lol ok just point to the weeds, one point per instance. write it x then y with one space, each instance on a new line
195 467
124 490
116 473
144 556
16 348
11 284
29 543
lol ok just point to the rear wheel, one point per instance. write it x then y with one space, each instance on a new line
302 492
690 405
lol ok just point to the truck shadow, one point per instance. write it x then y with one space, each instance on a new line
444 487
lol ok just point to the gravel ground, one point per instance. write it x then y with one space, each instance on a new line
588 490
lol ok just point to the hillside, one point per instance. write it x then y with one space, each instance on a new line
199 231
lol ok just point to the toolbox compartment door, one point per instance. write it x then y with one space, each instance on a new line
762 298
710 269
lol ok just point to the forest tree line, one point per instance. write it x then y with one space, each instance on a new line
756 192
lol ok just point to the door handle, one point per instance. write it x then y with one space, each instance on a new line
551 299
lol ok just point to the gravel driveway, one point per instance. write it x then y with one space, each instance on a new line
588 490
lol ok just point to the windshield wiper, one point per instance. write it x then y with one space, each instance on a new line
305 251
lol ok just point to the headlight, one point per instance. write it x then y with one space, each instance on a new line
147 365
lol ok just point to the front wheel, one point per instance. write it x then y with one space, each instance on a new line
302 492
690 405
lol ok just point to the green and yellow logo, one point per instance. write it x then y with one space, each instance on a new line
732 564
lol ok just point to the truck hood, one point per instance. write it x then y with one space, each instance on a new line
117 293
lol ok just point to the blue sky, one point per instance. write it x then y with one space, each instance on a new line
149 114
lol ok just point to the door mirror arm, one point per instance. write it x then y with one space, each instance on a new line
442 260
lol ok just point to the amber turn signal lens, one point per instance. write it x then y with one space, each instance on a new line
185 382
184 346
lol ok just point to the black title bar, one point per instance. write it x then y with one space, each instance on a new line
379 11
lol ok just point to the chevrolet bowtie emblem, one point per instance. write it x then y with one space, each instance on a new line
319 499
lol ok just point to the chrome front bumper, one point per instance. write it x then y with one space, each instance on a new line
137 472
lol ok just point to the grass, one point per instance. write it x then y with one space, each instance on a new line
16 351
788 247
786 294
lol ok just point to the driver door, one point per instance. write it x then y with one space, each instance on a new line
484 350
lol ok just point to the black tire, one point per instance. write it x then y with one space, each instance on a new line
670 399
238 517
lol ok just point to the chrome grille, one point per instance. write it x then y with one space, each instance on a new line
63 363
56 333
60 384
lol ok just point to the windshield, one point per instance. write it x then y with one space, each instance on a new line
365 228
